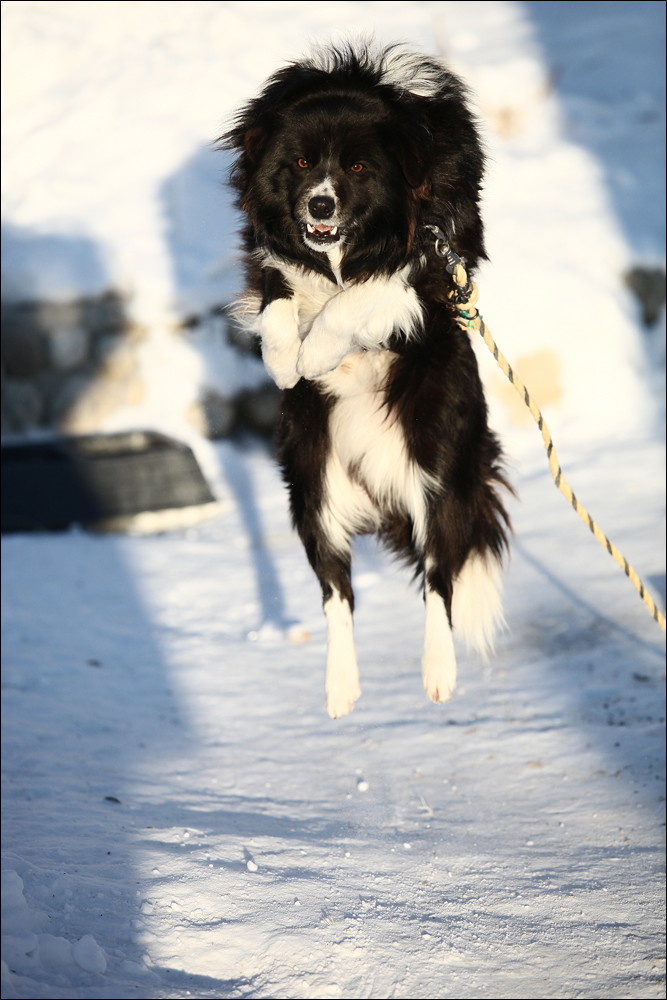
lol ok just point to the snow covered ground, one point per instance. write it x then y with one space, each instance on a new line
163 738
181 818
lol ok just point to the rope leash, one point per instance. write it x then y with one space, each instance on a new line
464 298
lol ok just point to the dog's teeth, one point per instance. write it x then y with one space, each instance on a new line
321 230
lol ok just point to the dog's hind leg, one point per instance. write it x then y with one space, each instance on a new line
342 676
327 508
346 509
439 659
327 545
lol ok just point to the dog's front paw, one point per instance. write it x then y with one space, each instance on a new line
318 356
281 366
341 696
439 677
284 380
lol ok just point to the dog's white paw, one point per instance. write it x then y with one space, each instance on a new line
373 329
341 696
318 356
342 677
279 330
439 659
284 380
439 679
281 366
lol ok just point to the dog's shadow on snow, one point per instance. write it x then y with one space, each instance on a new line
269 590
597 624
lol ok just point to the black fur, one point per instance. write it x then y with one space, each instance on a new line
423 164
426 152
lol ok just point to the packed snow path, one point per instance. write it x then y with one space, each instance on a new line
179 804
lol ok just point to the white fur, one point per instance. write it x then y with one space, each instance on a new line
406 70
279 330
335 256
348 509
342 677
323 322
324 188
439 659
311 292
369 469
363 315
476 605
476 611
412 72
359 372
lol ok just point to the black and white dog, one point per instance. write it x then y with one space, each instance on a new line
341 162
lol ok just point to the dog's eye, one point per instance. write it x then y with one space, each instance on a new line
303 163
356 168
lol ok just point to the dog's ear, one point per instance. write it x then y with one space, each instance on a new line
254 140
412 148
415 167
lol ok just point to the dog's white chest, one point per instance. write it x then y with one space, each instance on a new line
367 442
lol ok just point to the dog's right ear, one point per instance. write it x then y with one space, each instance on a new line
254 141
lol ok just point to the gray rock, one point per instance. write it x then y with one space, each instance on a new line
22 405
104 315
648 284
69 392
51 316
49 384
106 345
68 348
24 348
65 336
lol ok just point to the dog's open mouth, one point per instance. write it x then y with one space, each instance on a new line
322 234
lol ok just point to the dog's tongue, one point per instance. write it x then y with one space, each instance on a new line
322 229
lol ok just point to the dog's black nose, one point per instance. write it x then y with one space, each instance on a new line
321 207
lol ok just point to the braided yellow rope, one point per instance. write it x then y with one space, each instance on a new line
470 318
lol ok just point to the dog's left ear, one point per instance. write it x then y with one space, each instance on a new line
412 148
415 168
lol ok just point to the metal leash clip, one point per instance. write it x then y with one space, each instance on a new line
463 286
443 249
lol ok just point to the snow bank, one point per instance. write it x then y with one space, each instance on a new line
40 957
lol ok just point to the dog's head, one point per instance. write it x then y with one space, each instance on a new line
353 152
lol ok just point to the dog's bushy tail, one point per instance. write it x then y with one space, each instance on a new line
476 605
